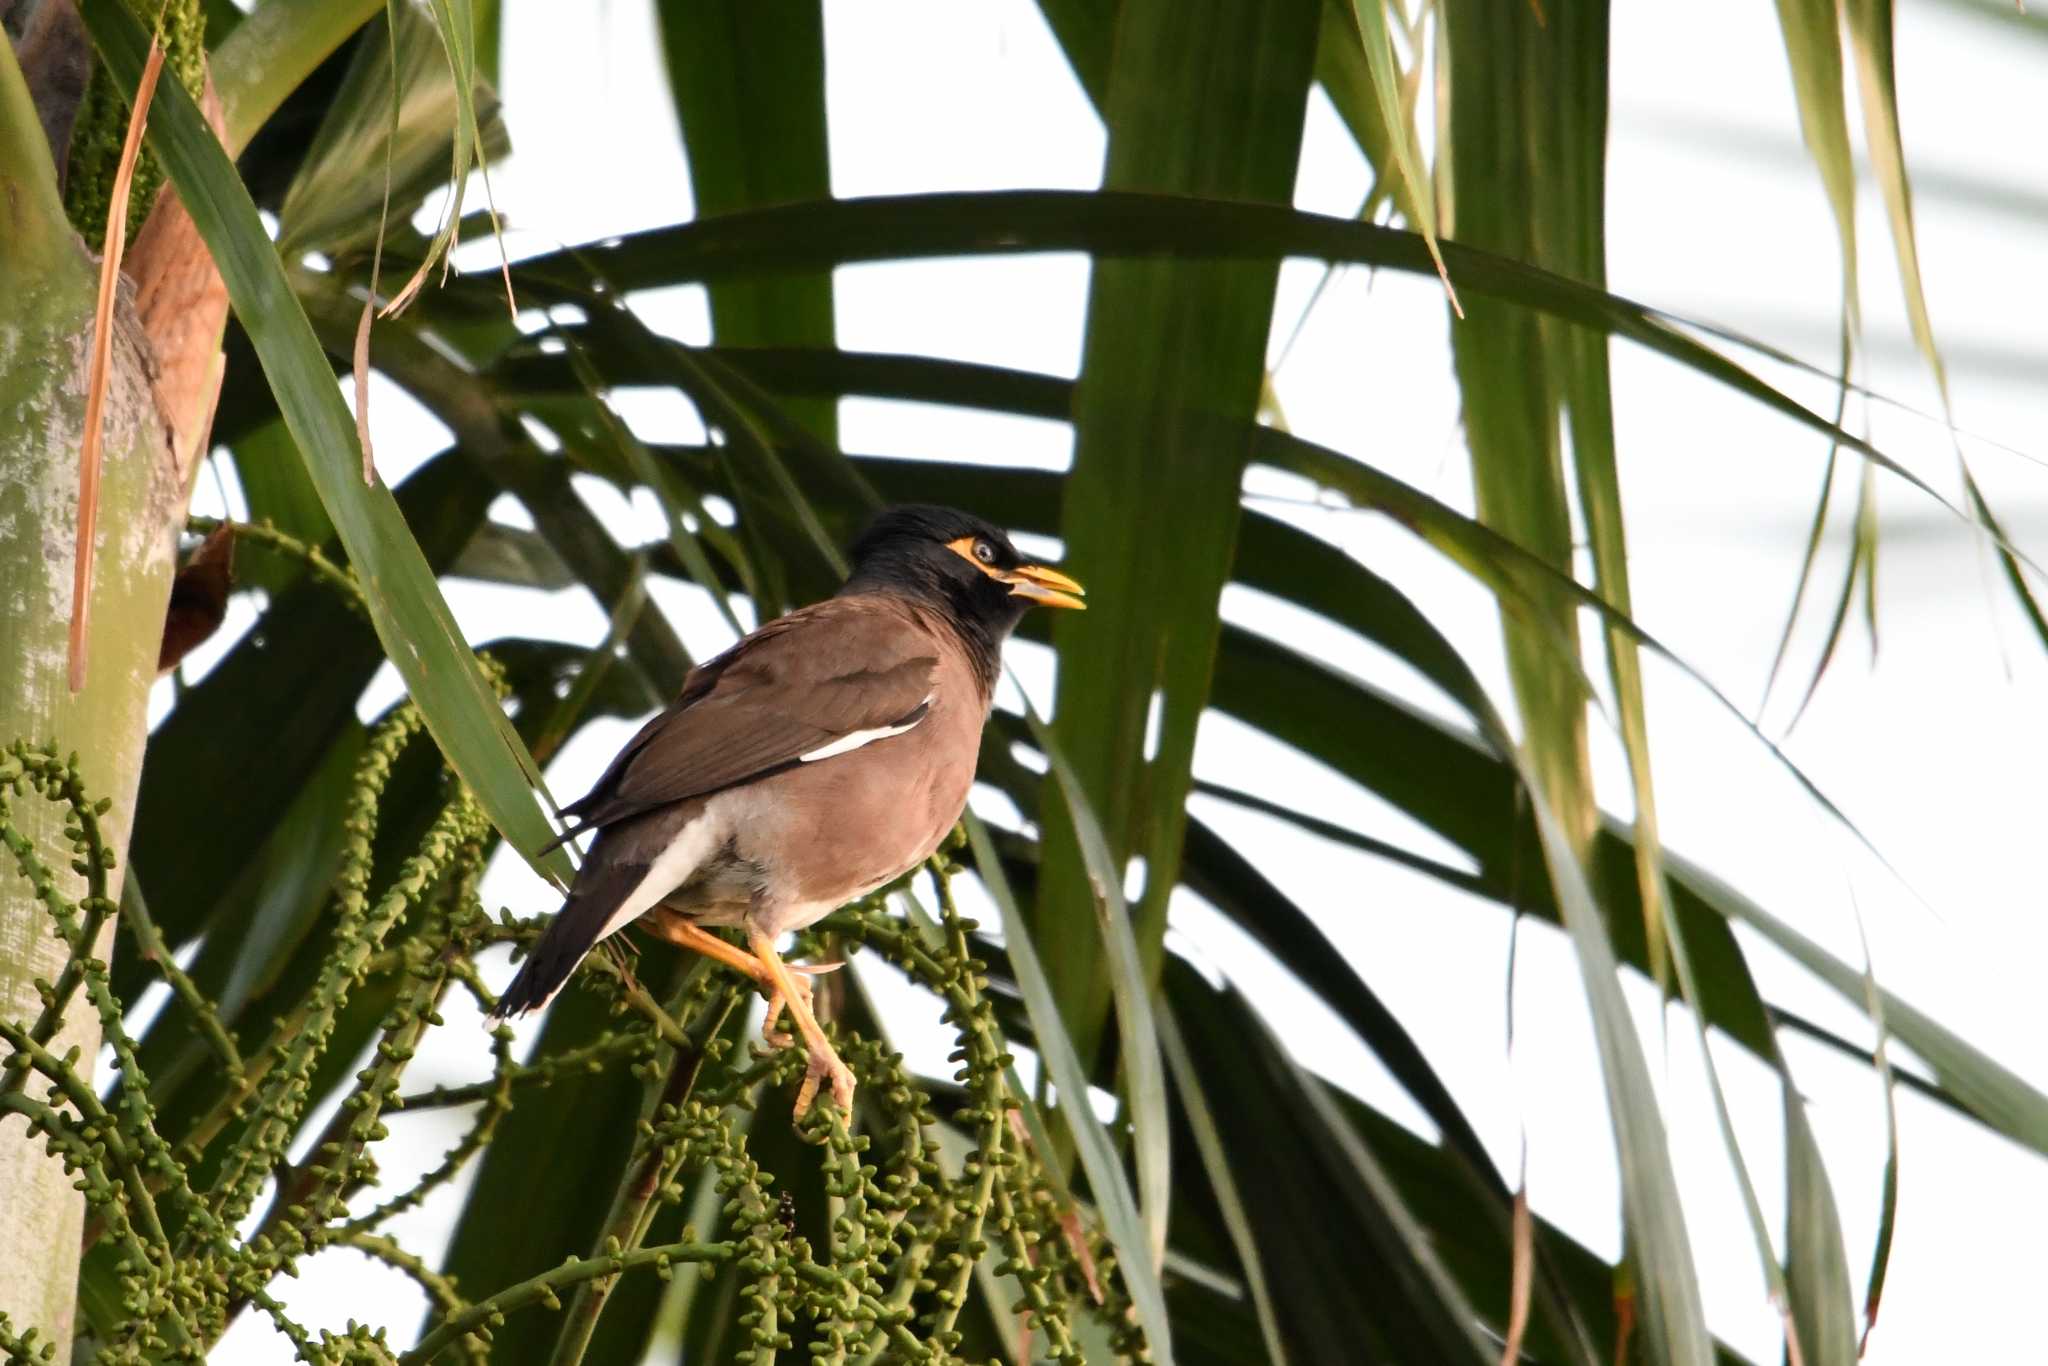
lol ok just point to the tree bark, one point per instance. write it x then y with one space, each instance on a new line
47 282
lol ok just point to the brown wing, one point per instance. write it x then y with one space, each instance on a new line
797 685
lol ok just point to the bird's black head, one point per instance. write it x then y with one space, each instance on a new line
961 565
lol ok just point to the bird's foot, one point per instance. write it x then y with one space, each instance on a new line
792 992
777 1038
824 1064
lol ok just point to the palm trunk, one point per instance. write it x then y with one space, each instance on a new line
47 283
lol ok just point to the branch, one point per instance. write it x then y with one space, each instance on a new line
546 1289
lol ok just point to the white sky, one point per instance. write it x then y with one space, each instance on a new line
1714 212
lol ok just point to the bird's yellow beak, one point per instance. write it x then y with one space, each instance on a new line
1037 582
1044 585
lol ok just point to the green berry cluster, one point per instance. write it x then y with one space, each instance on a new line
937 1195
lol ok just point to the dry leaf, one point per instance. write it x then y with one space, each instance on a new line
362 374
182 304
1520 1278
199 598
100 365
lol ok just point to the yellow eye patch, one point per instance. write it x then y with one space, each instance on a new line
964 548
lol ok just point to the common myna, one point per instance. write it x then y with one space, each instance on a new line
821 757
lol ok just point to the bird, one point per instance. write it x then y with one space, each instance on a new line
823 756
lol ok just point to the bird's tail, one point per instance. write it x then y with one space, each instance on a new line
585 919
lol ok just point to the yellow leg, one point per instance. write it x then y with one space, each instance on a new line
679 931
803 972
824 1062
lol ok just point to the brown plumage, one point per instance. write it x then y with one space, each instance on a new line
823 756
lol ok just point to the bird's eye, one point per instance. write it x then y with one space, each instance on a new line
984 552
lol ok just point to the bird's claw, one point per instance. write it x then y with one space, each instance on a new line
822 1063
803 974
825 1064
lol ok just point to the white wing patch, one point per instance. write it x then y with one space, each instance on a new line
853 740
